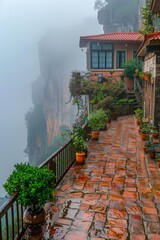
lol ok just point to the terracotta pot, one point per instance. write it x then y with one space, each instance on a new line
34 219
138 122
145 149
80 157
152 154
95 135
144 136
147 78
155 135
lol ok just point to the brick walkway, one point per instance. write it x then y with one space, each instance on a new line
114 195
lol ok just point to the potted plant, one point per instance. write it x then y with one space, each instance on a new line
139 115
154 133
81 147
147 76
141 75
34 186
152 151
145 130
97 120
147 144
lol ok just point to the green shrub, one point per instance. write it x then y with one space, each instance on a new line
97 119
34 185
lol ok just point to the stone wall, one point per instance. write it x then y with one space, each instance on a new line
157 89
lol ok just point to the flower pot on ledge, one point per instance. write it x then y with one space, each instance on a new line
95 135
80 157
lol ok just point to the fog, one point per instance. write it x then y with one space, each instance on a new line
22 23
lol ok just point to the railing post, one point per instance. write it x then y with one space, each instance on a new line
52 167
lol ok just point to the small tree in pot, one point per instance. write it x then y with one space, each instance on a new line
97 120
34 186
81 148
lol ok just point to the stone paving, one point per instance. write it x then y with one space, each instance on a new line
114 195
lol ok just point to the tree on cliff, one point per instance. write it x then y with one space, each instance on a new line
118 15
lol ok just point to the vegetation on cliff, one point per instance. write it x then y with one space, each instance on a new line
118 15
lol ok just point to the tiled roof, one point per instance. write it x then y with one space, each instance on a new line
152 36
148 40
117 36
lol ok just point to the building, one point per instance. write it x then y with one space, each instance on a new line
106 54
150 53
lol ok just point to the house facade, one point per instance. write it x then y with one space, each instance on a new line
150 53
106 54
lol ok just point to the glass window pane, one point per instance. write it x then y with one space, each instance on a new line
107 46
109 60
96 46
94 60
134 53
120 59
102 60
117 60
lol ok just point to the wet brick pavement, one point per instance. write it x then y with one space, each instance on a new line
114 195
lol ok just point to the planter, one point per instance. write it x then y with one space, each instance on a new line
80 157
138 122
155 135
144 136
34 219
145 149
147 78
95 135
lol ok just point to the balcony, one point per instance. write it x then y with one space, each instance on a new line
114 195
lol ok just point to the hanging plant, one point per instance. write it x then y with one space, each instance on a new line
147 19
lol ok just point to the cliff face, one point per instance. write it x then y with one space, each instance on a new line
51 113
119 16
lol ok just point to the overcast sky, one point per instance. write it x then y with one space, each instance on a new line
22 23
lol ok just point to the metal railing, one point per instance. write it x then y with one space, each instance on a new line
11 212
11 219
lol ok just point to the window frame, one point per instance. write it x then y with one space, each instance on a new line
101 50
134 50
121 50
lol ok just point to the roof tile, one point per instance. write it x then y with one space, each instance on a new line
117 36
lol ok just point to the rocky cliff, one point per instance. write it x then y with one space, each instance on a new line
50 114
118 15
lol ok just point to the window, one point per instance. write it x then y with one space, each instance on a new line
121 57
134 54
101 56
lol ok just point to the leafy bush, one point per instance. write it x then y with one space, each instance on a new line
97 119
80 144
34 185
131 66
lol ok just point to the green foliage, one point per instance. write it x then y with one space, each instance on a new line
139 113
147 143
34 185
97 119
80 144
147 18
131 66
151 149
37 132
